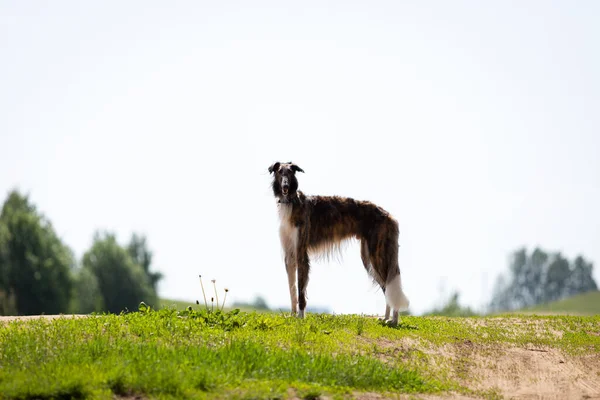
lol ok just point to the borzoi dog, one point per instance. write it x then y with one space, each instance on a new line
318 224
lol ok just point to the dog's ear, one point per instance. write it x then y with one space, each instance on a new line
274 167
296 168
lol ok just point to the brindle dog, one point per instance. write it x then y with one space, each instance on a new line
319 224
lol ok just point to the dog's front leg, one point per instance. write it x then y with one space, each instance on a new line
291 268
303 270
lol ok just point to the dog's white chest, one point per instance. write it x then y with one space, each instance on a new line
288 233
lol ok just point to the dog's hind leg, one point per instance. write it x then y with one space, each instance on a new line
291 268
368 263
394 295
364 256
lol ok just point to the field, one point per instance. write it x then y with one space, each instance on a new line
582 304
195 354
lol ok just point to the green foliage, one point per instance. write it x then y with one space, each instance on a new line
38 274
8 304
206 317
121 282
452 308
539 278
35 266
142 256
88 297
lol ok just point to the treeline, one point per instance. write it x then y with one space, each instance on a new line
532 279
541 277
40 275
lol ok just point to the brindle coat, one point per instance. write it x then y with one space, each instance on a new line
317 224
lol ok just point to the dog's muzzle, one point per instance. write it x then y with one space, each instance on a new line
285 186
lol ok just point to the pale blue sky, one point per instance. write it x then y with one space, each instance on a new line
475 123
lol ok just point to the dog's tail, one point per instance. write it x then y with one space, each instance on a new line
394 295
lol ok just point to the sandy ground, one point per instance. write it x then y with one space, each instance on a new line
514 372
30 317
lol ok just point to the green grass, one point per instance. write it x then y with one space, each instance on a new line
582 304
195 354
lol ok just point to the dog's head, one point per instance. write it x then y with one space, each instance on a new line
285 183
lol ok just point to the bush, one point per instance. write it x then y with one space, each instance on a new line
122 284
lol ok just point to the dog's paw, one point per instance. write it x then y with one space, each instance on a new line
391 323
388 322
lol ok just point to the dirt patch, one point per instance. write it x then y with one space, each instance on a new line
510 371
378 396
4 319
528 373
539 326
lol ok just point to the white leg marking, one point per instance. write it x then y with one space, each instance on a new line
394 296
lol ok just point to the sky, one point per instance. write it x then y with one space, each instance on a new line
475 124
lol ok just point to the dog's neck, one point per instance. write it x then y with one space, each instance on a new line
290 200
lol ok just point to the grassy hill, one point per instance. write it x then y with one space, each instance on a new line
583 304
181 354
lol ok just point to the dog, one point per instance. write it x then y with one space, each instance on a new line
316 225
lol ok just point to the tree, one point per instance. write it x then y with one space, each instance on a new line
35 266
541 278
259 303
88 297
452 308
557 277
581 280
122 283
7 297
141 255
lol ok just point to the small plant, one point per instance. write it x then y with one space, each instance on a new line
212 299
203 294
360 326
224 298
300 333
144 308
214 282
